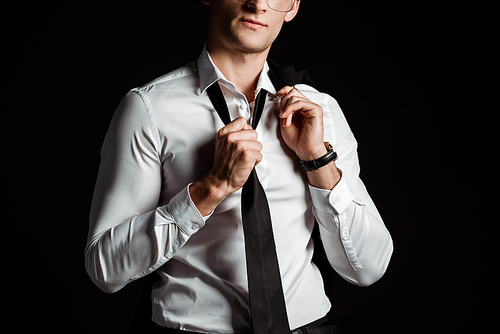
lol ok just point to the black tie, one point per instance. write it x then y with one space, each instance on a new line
267 303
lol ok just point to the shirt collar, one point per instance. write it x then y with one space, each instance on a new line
209 74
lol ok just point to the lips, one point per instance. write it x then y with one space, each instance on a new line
251 23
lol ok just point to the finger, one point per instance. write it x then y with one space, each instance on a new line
304 107
291 96
285 90
248 153
250 159
249 145
284 93
294 105
258 158
287 121
242 135
238 124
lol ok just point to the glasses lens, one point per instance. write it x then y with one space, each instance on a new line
281 5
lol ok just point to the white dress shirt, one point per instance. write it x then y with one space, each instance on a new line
161 139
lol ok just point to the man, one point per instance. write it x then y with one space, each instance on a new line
165 202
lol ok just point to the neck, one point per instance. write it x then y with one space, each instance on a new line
241 68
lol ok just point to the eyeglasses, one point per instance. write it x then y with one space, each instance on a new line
278 5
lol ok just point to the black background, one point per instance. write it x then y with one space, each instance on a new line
404 75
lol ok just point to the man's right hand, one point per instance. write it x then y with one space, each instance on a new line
237 152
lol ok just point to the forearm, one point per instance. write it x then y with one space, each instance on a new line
116 256
357 244
139 245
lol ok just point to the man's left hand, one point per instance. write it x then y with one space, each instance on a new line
301 124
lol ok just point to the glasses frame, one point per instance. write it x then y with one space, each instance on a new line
277 10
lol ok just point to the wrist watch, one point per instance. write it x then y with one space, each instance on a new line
330 156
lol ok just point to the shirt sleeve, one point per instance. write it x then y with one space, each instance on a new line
356 241
129 235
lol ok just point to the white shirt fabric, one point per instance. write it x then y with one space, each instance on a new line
161 140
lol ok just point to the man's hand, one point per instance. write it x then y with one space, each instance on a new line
302 131
237 152
302 124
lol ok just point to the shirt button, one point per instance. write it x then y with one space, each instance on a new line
345 235
195 226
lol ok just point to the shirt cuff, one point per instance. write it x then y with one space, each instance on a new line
185 214
334 201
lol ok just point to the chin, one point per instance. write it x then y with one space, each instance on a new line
255 49
249 46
